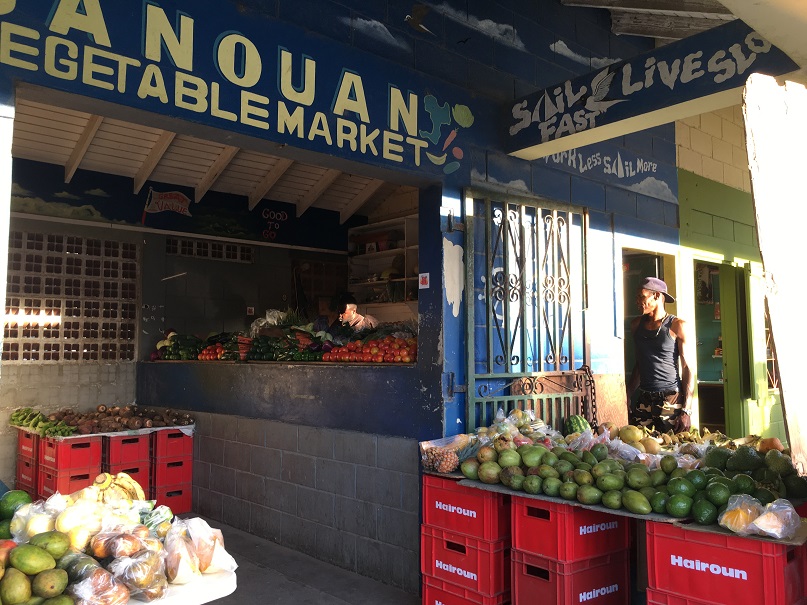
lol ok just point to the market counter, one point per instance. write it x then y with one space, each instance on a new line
203 589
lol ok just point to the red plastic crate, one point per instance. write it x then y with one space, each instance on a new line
465 510
172 471
27 444
179 498
477 565
437 592
600 580
27 471
170 443
139 471
721 568
656 597
64 482
559 531
126 449
72 453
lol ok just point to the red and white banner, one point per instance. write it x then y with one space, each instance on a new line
173 201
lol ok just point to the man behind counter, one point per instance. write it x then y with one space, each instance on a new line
350 317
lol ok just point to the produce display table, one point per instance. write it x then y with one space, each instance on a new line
203 589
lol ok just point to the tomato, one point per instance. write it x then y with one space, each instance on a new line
396 359
406 359
351 346
389 358
378 358
366 357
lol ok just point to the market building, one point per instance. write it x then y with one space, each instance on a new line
190 167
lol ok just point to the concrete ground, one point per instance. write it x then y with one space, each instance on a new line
270 574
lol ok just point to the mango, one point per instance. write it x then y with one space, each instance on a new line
55 542
60 600
15 587
49 583
30 559
34 600
636 502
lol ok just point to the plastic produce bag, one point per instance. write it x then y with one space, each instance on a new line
100 587
30 520
445 455
143 574
740 512
778 520
158 520
209 544
181 562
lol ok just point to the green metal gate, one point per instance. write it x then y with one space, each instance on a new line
525 287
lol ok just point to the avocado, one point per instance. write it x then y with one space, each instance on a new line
744 458
796 486
781 464
679 505
716 457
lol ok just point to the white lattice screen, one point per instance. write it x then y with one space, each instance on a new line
70 299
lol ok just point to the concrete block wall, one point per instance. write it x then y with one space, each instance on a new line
49 387
712 145
349 498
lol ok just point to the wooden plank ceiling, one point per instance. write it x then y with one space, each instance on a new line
82 141
663 20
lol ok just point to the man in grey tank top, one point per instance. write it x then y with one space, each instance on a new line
661 373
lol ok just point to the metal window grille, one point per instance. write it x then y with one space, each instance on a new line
525 282
70 299
234 253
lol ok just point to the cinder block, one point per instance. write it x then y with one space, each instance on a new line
298 469
222 479
252 431
693 121
249 487
355 517
399 528
211 449
264 522
713 170
690 160
237 511
237 455
201 474
734 134
298 534
209 504
722 151
281 496
701 142
398 454
712 124
739 157
379 486
265 461
315 441
379 561
281 435
337 477
733 177
337 547
410 501
588 193
358 448
620 201
203 423
317 506
224 426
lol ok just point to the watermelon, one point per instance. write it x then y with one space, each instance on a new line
576 424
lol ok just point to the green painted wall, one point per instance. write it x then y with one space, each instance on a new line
719 220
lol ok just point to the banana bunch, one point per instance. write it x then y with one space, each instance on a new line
114 488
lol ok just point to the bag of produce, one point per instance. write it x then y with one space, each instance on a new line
778 520
740 512
143 574
116 544
30 520
209 544
99 588
181 562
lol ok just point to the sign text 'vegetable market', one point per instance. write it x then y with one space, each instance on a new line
229 78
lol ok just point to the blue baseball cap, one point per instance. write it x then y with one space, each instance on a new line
656 285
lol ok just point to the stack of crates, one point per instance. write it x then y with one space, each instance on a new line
465 544
696 567
130 454
27 466
564 554
172 469
67 464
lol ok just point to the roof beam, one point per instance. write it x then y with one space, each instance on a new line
660 26
359 201
225 157
153 158
705 7
327 179
82 145
273 176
